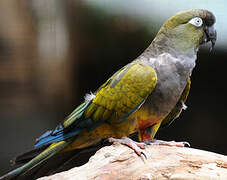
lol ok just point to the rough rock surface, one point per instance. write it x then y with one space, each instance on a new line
121 163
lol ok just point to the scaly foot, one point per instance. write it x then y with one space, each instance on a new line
136 146
167 143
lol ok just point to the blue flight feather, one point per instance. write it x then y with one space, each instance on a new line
56 138
48 133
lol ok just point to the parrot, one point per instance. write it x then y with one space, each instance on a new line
143 96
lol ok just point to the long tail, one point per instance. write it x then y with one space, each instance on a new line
50 143
46 154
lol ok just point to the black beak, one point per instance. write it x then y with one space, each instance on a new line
211 35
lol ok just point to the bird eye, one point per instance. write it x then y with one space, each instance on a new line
196 22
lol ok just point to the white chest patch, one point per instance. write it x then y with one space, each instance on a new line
167 58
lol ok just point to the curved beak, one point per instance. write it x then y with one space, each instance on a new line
211 35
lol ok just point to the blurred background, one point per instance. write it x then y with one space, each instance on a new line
53 52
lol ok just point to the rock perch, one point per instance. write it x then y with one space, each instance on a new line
163 162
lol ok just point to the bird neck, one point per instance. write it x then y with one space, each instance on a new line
174 46
163 48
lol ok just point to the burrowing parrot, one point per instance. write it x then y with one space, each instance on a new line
142 96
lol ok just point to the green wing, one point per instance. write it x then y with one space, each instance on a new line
120 96
178 108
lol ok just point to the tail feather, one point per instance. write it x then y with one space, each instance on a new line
27 156
46 154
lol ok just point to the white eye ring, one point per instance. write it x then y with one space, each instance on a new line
198 22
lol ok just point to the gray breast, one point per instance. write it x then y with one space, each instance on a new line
172 74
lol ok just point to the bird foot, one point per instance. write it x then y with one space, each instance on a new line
136 146
167 143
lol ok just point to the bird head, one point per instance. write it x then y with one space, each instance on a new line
186 31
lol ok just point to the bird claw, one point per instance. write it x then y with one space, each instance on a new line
186 144
167 143
136 146
144 155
